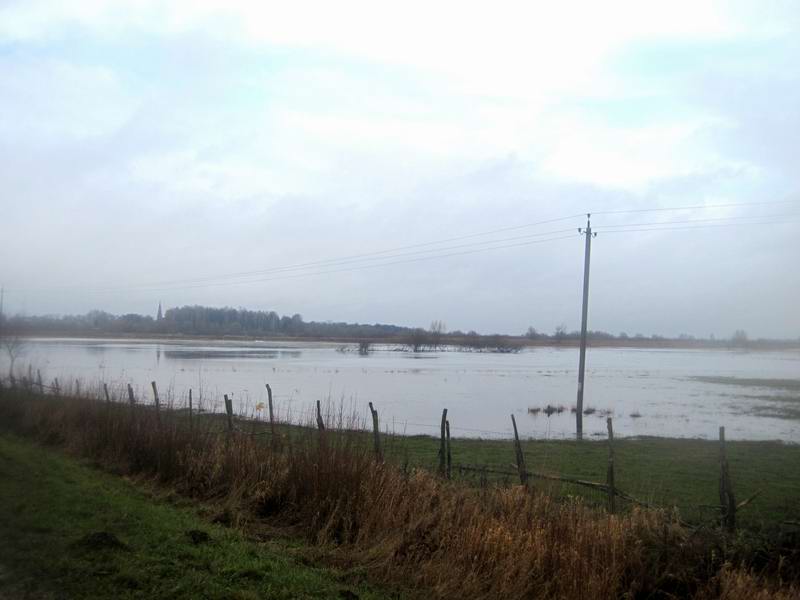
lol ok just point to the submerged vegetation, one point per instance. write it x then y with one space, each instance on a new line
781 400
407 526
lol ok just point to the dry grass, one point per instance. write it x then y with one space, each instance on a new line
445 538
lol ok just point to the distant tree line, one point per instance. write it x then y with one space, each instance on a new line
208 321
201 320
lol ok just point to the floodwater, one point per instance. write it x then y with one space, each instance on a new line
647 392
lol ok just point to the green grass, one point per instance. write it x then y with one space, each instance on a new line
663 471
49 504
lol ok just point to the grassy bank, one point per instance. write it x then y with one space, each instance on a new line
71 531
402 525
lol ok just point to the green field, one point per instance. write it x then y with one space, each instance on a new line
667 472
68 530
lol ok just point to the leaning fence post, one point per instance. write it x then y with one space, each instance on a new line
39 381
726 497
190 409
612 490
271 416
376 433
157 401
131 397
56 386
449 456
105 390
320 421
443 445
229 412
523 474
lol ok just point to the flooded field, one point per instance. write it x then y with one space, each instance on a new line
675 393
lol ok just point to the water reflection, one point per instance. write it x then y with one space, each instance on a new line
209 353
668 393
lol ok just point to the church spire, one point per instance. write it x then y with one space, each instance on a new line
160 315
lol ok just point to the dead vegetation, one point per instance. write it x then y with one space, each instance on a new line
409 527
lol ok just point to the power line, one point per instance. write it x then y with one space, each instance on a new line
392 253
354 258
709 220
743 220
328 272
690 227
694 207
366 257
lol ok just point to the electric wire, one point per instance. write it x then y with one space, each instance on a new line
694 207
709 220
690 227
382 258
333 271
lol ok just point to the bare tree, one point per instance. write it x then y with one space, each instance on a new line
438 329
14 346
739 338
418 339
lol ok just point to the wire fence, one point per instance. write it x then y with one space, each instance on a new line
507 467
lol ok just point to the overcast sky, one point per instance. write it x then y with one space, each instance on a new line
148 150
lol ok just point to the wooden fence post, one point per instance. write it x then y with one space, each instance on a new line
320 421
157 401
449 456
56 386
376 433
443 445
105 390
726 497
523 474
271 415
229 412
131 397
612 490
39 381
190 410
77 388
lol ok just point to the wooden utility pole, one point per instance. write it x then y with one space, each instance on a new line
584 320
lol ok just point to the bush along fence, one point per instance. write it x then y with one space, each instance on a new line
727 507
